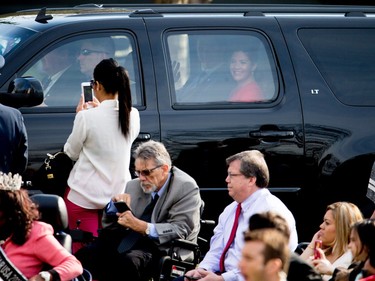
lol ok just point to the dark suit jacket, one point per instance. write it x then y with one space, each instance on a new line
214 86
13 141
66 91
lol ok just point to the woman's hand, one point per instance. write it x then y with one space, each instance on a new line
38 278
322 265
315 237
82 105
308 253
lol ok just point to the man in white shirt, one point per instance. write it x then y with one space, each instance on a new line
247 179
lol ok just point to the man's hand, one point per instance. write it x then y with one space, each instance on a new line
122 197
202 275
209 276
128 220
192 275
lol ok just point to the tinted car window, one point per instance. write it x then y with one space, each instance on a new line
346 59
11 37
221 68
63 67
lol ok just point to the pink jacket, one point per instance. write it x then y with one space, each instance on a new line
42 248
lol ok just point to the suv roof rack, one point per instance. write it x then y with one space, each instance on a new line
144 13
247 9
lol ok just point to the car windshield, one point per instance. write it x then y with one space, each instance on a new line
12 36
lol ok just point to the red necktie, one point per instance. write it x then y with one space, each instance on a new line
231 238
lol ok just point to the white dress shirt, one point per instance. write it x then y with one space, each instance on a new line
102 153
260 201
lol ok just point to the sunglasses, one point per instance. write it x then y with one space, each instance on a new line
146 173
87 52
92 83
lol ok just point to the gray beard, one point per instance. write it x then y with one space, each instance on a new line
148 191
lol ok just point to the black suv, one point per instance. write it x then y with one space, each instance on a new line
314 66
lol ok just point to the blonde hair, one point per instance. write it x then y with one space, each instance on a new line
345 215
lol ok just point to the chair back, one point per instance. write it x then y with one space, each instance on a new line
53 211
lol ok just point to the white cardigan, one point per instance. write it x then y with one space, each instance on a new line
102 154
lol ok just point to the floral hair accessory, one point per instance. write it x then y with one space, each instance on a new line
10 182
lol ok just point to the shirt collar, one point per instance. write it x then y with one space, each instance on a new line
253 197
162 189
110 104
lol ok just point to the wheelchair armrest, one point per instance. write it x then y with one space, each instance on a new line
301 247
208 222
181 244
185 244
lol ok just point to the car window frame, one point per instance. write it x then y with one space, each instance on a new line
222 31
69 38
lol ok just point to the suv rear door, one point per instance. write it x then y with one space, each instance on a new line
201 132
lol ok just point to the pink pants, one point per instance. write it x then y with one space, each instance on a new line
90 219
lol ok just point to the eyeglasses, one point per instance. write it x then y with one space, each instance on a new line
87 52
231 175
146 173
92 83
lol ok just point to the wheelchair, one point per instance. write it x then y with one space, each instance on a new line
53 211
173 265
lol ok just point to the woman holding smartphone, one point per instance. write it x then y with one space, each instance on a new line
100 143
334 236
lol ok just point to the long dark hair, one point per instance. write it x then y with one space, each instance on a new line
18 212
366 233
114 79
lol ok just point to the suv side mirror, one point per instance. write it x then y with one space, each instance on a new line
23 92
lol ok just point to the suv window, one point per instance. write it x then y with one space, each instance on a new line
346 59
225 68
64 66
12 36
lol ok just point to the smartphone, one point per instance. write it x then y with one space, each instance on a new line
87 91
317 245
121 206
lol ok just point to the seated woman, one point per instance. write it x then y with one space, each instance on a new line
334 234
27 243
242 67
361 242
368 272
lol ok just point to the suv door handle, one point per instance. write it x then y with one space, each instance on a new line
272 134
